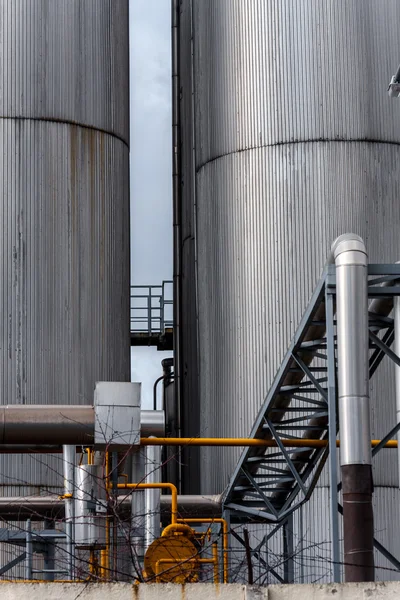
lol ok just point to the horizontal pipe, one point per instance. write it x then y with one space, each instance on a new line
161 441
297 443
38 507
32 424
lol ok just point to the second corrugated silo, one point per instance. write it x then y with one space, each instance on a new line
295 143
64 212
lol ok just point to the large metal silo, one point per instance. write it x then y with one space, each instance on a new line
64 210
295 142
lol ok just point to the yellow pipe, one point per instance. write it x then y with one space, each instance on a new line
225 540
177 528
155 486
103 564
89 456
293 443
216 565
92 564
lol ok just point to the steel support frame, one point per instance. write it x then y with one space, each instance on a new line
243 507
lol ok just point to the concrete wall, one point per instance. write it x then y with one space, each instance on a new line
202 591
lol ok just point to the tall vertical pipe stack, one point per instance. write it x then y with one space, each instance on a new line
351 262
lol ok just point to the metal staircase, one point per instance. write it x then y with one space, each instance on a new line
268 484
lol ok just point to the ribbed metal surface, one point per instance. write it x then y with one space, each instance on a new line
64 211
287 71
266 218
64 267
386 519
64 60
296 142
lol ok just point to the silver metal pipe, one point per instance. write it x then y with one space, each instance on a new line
90 507
69 458
152 423
37 508
62 424
396 315
28 551
137 500
351 262
152 497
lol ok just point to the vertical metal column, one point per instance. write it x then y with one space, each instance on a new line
69 456
301 545
152 496
396 348
354 412
28 551
137 511
49 555
177 209
332 420
288 550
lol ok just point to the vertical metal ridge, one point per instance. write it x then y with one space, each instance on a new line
268 76
64 211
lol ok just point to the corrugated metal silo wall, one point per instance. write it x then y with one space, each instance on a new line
296 142
64 211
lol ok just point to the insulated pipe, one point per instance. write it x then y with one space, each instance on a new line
351 262
152 516
37 508
62 424
69 458
138 511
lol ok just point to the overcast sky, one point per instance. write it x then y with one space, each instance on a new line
150 170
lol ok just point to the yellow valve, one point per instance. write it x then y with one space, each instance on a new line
181 554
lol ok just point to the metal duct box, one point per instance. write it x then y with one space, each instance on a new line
117 415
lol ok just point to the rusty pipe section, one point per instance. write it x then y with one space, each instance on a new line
57 425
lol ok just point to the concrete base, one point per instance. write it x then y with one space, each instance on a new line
200 591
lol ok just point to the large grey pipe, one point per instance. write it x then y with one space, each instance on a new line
138 510
152 497
69 458
351 262
62 424
38 508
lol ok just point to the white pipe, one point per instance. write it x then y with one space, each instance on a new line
152 497
138 511
69 456
351 261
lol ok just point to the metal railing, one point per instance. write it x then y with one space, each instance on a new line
151 308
